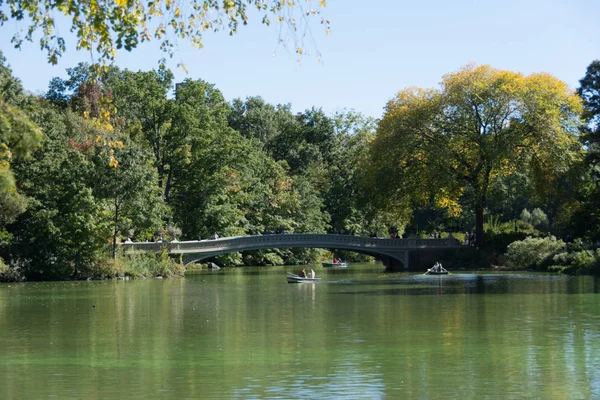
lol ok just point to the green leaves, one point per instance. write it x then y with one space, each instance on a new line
481 125
18 134
102 27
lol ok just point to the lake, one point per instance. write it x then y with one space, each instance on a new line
245 333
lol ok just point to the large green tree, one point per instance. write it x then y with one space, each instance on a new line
585 217
66 227
129 189
142 104
589 90
483 123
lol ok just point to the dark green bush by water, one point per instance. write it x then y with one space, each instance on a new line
550 254
147 265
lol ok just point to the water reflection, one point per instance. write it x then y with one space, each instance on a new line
247 333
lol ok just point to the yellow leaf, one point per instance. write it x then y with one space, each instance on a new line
121 3
113 163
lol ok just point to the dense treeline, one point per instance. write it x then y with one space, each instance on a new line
132 155
99 159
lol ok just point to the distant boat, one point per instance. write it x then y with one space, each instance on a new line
437 271
299 279
338 264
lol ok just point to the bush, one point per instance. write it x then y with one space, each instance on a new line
461 236
539 219
577 262
146 265
532 252
525 216
10 273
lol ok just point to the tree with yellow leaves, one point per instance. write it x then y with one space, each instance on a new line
481 124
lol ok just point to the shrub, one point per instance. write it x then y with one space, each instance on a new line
10 273
525 216
539 219
146 265
532 252
577 262
461 236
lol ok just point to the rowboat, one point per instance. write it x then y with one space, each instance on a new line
298 279
339 264
437 271
430 272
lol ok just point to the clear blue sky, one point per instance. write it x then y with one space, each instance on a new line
375 49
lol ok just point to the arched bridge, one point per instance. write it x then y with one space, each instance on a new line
391 251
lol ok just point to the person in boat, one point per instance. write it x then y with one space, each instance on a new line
335 260
437 267
302 273
312 274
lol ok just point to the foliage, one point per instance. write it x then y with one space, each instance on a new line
525 216
147 265
532 252
432 146
577 262
142 107
123 158
589 91
10 273
129 188
539 219
18 134
104 27
65 227
581 217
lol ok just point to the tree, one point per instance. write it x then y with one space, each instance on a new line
104 27
140 99
18 134
344 199
254 118
480 125
585 216
65 227
589 91
129 188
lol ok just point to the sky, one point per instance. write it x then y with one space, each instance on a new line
375 49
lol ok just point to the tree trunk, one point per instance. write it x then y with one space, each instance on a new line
116 231
479 240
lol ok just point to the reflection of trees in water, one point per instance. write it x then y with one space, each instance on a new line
237 335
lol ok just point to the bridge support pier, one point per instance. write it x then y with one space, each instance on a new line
396 262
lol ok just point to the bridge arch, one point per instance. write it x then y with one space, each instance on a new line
390 250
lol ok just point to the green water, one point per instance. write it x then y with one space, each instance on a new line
246 333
